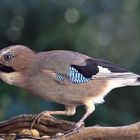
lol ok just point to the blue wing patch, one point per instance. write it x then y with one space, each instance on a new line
72 75
75 77
59 77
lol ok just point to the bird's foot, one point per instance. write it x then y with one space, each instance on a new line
39 116
79 125
75 129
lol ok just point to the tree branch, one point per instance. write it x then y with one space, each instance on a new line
50 128
129 132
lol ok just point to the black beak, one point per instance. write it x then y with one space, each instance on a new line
6 69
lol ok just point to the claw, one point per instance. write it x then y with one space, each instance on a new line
75 129
38 117
79 125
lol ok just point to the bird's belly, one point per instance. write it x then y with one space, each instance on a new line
71 94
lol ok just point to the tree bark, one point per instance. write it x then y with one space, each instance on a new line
50 128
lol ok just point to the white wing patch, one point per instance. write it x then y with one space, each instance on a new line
103 70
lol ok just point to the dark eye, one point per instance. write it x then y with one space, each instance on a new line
7 56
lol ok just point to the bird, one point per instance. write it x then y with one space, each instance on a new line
65 77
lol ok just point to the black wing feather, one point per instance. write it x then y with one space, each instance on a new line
88 70
91 67
111 66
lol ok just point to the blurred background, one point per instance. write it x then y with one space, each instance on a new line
104 29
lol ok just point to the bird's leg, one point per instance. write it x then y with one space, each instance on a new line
89 109
69 110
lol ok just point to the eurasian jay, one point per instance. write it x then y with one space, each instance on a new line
66 77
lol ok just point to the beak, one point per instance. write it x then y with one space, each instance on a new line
1 63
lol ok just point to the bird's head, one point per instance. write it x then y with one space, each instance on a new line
15 58
15 63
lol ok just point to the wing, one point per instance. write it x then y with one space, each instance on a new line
72 67
93 68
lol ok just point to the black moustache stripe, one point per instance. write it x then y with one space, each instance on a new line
6 69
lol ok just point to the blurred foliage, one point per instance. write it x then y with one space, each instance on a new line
107 29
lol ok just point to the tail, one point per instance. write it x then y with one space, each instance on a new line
121 79
138 80
128 79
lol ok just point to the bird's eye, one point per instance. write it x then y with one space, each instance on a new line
7 56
